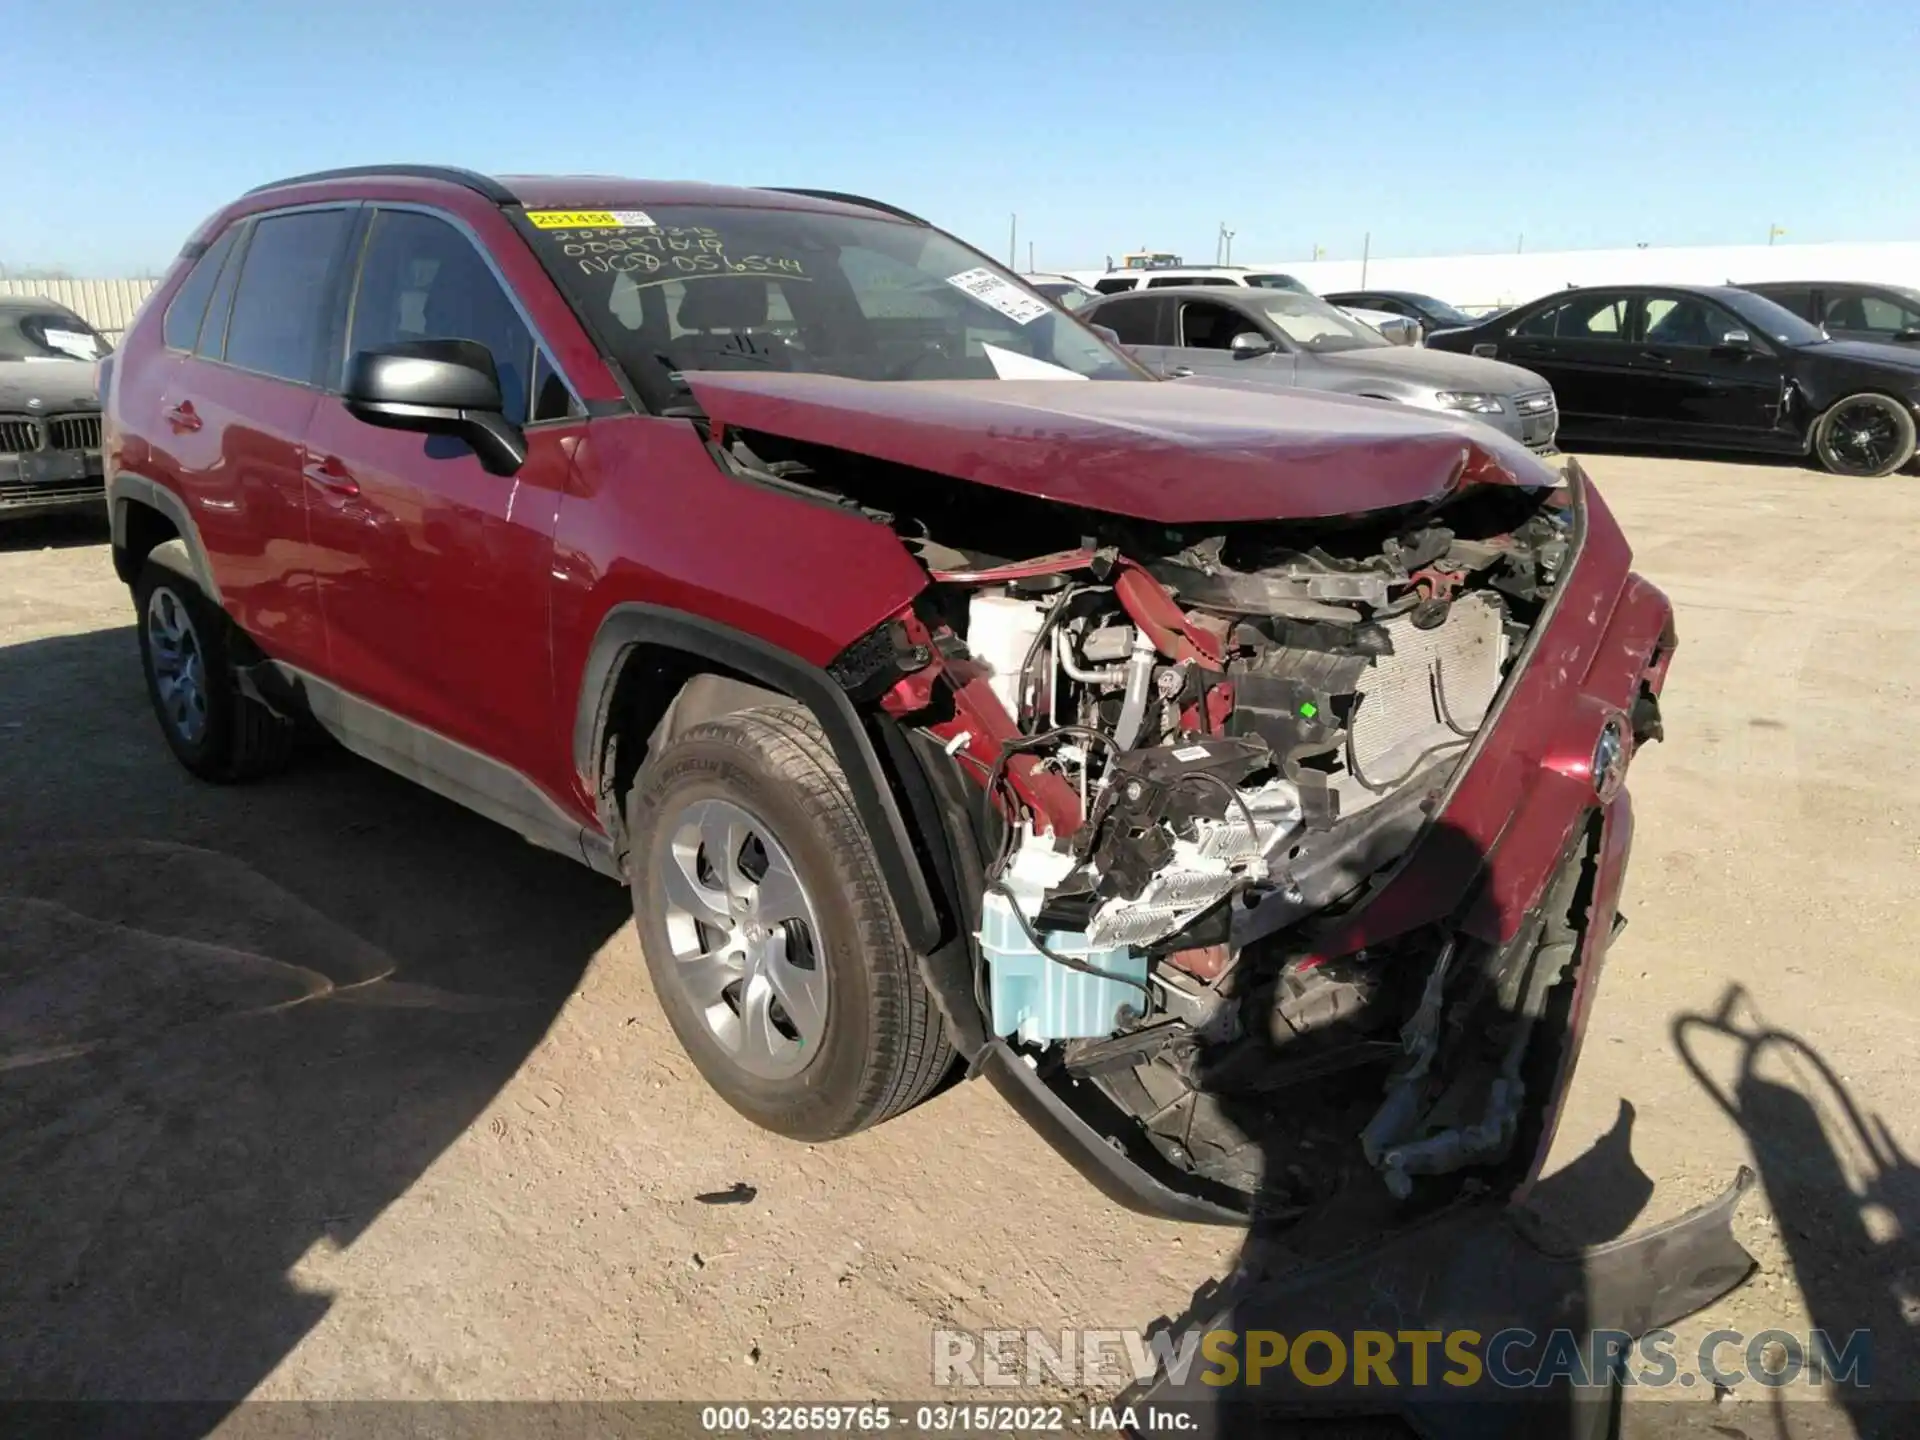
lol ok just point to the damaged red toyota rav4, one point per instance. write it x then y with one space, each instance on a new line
1233 778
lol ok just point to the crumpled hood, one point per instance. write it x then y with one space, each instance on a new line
1440 369
61 386
1195 451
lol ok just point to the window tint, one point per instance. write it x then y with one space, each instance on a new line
1874 313
1205 326
1586 317
213 330
421 279
1687 320
1798 299
1131 320
1188 280
280 309
1115 285
181 328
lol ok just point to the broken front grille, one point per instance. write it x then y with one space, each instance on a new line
18 433
73 432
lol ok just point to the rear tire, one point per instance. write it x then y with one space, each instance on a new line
735 812
1864 435
186 644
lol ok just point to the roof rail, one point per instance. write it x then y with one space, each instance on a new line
845 199
449 174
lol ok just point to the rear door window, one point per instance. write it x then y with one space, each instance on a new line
181 328
421 279
1585 317
1132 320
281 305
1115 284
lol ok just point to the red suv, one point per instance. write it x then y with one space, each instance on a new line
1234 778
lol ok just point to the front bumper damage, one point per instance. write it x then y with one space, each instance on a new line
1474 1267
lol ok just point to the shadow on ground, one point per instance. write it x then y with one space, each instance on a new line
235 1023
1845 1196
53 532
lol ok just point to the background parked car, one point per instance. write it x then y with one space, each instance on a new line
1300 341
49 410
1063 290
1397 328
1850 310
1425 311
1712 366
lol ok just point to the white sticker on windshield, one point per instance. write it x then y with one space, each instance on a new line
72 342
1003 295
1012 365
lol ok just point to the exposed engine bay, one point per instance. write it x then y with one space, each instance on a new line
1191 746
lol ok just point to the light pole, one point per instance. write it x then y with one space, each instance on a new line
1773 230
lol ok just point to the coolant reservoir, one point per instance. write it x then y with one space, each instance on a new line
1000 630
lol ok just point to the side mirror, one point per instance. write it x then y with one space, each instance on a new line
1249 343
1108 334
437 387
1735 340
1911 333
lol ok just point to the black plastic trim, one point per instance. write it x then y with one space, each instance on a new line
1111 1171
842 197
633 624
484 185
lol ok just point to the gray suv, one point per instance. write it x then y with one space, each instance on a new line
1296 341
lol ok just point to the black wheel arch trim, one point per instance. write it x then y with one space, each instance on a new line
127 488
633 624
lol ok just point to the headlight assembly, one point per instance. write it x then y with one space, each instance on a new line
1476 401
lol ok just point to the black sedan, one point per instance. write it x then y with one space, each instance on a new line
1425 311
1849 309
1708 366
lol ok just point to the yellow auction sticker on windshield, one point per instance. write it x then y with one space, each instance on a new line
591 219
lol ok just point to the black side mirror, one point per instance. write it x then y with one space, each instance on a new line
1911 333
1249 343
437 387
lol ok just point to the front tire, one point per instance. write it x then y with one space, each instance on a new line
769 934
1864 435
213 729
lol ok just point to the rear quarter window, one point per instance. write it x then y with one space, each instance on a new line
188 308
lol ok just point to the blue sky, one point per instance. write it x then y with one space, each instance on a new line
1438 127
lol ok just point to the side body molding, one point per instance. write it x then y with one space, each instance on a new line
634 624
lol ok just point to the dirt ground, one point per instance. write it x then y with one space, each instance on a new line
327 1089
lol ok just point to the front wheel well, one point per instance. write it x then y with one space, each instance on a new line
141 530
658 692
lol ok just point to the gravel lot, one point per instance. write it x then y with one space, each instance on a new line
326 1089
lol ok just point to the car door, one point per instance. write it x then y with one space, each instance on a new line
1203 336
236 410
1581 346
436 571
1704 388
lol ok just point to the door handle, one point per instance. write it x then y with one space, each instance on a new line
182 418
1656 357
330 474
1178 372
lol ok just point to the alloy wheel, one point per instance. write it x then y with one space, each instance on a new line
744 938
179 665
1862 437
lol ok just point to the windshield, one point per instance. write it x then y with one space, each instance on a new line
730 288
1277 282
1312 324
1776 322
48 335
